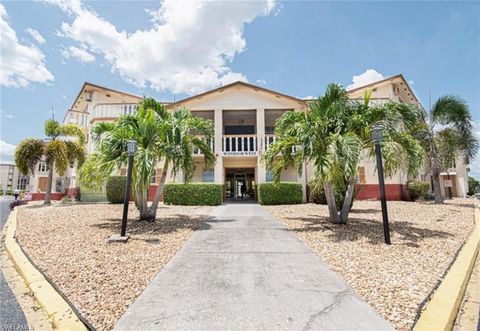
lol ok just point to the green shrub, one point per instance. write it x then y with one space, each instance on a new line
418 189
116 189
472 185
280 194
193 194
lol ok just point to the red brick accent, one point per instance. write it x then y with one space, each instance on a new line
41 196
370 191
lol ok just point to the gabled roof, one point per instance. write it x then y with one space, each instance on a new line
87 84
231 85
388 79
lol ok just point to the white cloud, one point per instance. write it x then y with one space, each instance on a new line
187 49
36 35
261 81
6 115
6 150
20 64
309 97
73 52
64 96
368 77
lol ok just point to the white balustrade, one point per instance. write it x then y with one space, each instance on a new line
239 145
113 110
197 151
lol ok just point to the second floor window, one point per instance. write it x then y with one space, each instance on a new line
361 175
42 166
156 176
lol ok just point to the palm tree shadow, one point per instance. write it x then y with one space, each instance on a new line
145 230
407 233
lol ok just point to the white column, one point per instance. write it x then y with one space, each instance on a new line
218 171
261 172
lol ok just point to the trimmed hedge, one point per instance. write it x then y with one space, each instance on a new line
193 194
418 189
280 194
116 189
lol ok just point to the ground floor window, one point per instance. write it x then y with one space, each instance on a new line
23 181
269 176
208 176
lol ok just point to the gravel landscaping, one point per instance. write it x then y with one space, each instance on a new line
395 280
68 242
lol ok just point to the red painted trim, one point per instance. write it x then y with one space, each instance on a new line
395 192
41 196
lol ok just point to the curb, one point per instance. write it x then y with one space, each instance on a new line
59 312
441 311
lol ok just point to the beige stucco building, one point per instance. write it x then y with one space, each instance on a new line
244 118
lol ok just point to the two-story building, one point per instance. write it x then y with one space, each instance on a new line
244 117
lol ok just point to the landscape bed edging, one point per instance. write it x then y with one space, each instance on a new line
58 310
441 311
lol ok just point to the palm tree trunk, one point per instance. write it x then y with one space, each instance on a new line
142 205
159 192
332 207
347 202
48 191
437 192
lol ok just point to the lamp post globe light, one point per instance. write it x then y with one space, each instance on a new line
377 135
131 150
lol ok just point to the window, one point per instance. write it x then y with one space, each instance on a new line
23 181
156 176
269 176
361 175
269 130
208 176
42 166
123 172
59 184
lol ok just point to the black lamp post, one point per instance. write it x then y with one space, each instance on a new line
131 149
377 134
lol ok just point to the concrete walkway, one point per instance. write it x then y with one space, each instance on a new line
244 270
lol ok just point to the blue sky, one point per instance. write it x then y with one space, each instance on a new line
168 50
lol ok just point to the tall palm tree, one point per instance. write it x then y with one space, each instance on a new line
334 134
160 136
181 133
59 152
447 133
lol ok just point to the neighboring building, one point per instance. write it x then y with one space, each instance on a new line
244 118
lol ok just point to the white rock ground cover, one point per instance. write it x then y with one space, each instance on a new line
395 280
68 243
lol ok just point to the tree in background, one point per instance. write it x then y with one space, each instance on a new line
334 134
446 132
160 135
57 150
473 185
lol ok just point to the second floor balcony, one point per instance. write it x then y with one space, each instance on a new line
109 111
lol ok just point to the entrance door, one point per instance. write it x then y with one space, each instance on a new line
42 184
240 184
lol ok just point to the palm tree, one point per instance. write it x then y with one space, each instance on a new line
447 133
334 134
59 153
181 133
160 135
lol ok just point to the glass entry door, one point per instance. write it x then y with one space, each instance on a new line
240 185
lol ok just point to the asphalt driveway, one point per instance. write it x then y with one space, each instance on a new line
244 270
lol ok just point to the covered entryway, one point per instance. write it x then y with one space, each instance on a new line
240 184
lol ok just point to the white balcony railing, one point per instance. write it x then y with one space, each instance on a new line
197 151
112 110
239 145
269 139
